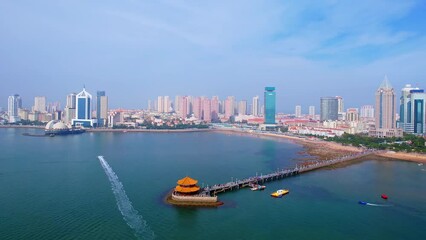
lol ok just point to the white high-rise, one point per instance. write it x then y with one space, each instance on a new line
167 103
312 111
298 111
367 112
255 106
14 103
160 104
39 104
83 109
242 107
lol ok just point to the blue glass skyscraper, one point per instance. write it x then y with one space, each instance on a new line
83 109
269 105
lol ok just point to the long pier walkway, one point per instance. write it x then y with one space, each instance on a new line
280 174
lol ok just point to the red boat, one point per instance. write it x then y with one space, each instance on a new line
384 196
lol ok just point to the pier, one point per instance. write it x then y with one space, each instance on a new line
280 174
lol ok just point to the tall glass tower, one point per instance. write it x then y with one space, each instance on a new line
99 95
83 109
329 108
269 105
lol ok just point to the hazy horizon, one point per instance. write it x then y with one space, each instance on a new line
137 51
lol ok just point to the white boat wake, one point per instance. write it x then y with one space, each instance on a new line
130 215
378 205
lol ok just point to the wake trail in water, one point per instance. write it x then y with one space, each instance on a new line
378 205
130 215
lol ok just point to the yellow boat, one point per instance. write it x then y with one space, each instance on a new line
280 193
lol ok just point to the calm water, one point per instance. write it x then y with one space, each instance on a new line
56 188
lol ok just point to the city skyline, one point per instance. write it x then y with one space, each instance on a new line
138 50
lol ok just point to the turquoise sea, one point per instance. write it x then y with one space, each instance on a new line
57 188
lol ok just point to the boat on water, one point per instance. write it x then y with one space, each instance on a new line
420 164
384 196
280 193
258 187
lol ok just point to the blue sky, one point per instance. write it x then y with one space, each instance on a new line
137 50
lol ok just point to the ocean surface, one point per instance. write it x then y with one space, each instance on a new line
58 188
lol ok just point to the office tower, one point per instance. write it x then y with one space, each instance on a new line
101 108
352 115
367 112
83 110
242 107
160 104
312 111
255 106
403 108
269 100
385 106
329 108
149 105
207 110
229 106
416 109
215 108
39 104
14 103
196 107
298 111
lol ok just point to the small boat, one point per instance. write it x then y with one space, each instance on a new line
420 164
362 202
280 193
258 187
384 196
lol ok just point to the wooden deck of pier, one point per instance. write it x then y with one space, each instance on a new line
280 174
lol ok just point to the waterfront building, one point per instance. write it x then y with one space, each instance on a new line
215 108
23 113
13 104
312 111
177 104
207 110
329 108
160 104
184 111
39 104
83 110
415 119
167 104
404 108
255 106
298 111
69 111
101 108
242 107
229 107
269 96
385 114
196 107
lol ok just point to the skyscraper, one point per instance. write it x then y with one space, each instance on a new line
255 106
404 108
340 104
69 110
83 110
39 104
229 106
298 111
416 109
196 107
207 111
312 111
160 104
167 104
183 112
329 108
14 103
385 112
242 107
101 108
215 108
269 96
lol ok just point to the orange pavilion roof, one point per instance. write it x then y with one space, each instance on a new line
187 189
187 181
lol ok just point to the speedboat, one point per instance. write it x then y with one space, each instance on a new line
258 187
384 196
280 193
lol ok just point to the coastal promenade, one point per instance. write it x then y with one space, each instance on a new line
283 173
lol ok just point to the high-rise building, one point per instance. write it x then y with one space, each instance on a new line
269 96
215 108
415 120
183 112
329 108
149 105
385 112
177 104
167 104
352 115
83 110
255 106
312 111
242 107
101 108
69 111
14 103
367 112
39 104
298 111
207 110
160 104
340 104
229 106
196 107
404 108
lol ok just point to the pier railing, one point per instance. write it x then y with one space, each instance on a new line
283 173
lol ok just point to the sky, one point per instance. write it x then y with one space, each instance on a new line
138 50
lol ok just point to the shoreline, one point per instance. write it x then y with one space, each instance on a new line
323 150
